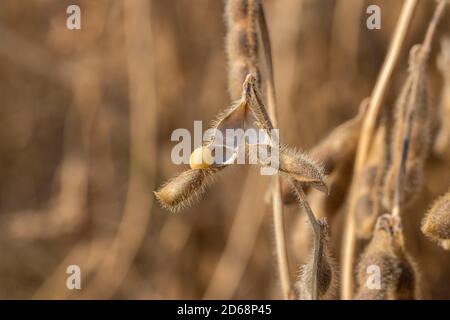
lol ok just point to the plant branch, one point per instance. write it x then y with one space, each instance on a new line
277 205
368 129
317 237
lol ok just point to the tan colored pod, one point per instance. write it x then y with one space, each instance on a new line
414 97
385 270
241 42
436 223
327 277
303 169
184 189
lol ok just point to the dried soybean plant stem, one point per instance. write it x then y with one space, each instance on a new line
437 16
277 204
280 238
419 70
377 97
270 83
316 228
280 232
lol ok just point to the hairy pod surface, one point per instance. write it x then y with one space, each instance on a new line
302 168
241 42
436 224
413 97
183 190
385 270
327 273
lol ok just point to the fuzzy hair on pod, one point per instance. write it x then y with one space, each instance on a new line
186 188
327 274
414 95
297 165
246 112
302 168
385 270
436 224
241 42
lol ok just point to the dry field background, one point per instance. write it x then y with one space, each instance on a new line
85 124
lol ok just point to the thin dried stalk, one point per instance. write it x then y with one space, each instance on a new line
277 204
316 262
280 232
301 170
377 97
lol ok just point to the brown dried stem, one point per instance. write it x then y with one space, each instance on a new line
317 237
280 232
277 205
377 97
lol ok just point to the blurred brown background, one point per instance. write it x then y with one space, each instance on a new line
85 123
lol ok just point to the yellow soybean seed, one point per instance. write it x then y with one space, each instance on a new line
201 158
